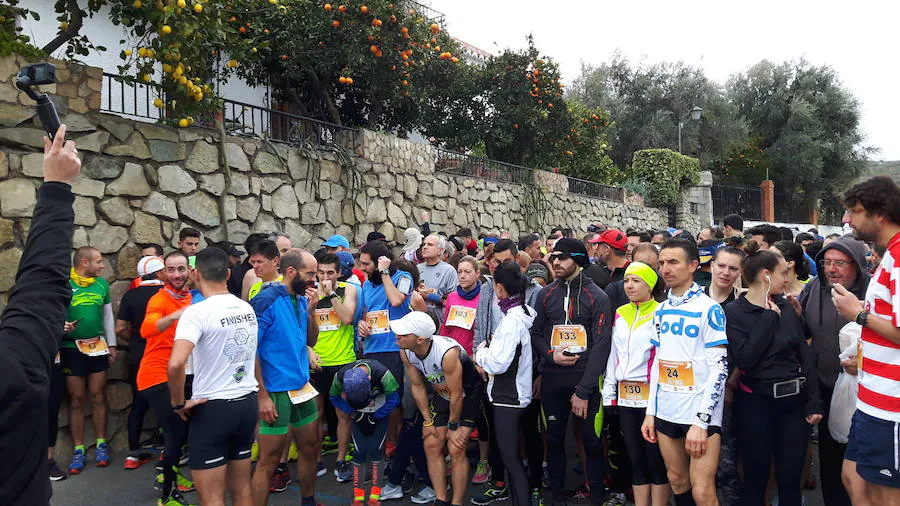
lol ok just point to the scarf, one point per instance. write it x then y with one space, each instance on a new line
176 294
509 303
689 295
471 294
80 280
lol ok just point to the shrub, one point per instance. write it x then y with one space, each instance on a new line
663 172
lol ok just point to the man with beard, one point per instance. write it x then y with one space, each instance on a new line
871 467
572 331
164 309
842 262
287 404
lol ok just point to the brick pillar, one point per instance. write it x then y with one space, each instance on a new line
767 205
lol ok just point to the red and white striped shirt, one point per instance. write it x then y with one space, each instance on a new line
879 372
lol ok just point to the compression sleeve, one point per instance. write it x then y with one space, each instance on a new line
109 325
714 390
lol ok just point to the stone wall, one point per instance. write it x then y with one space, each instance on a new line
142 183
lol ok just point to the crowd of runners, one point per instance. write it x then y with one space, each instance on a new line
691 368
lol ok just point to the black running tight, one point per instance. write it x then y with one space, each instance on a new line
174 432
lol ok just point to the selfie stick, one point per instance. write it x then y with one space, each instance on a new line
46 110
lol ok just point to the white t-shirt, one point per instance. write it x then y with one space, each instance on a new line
680 371
223 329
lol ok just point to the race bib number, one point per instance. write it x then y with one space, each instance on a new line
461 316
93 347
378 322
304 394
375 405
573 335
634 394
328 319
676 376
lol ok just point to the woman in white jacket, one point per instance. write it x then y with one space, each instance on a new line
506 357
626 384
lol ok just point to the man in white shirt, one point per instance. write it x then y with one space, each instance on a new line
220 334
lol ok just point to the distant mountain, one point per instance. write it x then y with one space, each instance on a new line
886 167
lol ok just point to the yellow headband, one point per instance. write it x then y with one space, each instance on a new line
643 271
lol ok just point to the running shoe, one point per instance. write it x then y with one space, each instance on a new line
77 463
182 484
537 497
493 492
343 471
424 496
101 455
614 499
56 474
175 499
482 473
329 446
321 468
391 491
135 460
281 478
581 495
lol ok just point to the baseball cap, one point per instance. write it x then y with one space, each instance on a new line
415 322
571 248
375 236
149 265
413 239
614 238
337 241
346 263
357 387
707 250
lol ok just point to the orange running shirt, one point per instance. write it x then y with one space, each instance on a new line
154 367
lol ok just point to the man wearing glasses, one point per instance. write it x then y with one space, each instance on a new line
842 262
572 332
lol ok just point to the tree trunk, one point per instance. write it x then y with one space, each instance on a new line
75 23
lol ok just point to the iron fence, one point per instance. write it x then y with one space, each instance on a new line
128 97
745 201
592 189
790 209
426 11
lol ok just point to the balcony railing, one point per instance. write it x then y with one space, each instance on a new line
745 201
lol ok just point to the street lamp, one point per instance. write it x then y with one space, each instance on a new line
695 113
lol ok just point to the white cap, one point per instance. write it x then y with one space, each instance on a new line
415 322
149 265
413 239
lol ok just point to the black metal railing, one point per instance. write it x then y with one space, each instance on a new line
745 201
425 11
593 189
127 97
789 208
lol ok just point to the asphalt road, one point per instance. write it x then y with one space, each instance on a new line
115 486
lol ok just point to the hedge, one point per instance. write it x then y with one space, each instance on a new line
664 172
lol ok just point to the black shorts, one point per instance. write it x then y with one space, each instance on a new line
75 363
680 430
222 430
393 362
323 379
471 410
874 446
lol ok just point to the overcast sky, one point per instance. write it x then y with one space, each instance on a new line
858 39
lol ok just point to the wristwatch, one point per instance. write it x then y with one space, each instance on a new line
453 425
385 272
178 406
861 318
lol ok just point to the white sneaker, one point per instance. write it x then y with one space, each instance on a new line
425 496
391 491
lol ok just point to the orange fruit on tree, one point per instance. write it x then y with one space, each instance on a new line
328 7
373 48
342 8
242 29
454 59
284 57
404 82
376 22
393 18
404 30
336 23
550 105
364 9
435 28
379 54
349 80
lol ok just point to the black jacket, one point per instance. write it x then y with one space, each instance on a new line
602 276
589 307
30 329
769 348
822 320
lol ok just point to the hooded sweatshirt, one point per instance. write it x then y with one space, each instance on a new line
820 317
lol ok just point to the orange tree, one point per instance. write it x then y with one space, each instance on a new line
369 63
513 108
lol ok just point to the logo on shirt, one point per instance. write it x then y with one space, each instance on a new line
239 348
678 328
716 318
239 374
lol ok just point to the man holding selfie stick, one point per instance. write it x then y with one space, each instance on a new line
31 327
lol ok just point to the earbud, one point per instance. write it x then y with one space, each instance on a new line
768 279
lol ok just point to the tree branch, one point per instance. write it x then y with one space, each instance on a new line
75 22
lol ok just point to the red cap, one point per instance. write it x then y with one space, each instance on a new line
614 238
